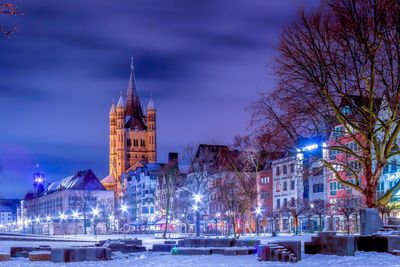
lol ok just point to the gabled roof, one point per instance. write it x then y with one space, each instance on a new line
81 180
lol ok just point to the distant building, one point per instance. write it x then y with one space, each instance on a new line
9 213
140 186
133 137
52 211
287 186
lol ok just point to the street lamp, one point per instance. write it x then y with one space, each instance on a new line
197 200
48 220
62 218
95 213
258 213
217 216
124 209
75 215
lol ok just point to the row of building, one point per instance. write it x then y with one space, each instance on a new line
135 193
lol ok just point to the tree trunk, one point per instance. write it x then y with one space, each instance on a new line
84 223
348 225
370 195
320 223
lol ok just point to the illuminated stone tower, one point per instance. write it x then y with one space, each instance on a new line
133 136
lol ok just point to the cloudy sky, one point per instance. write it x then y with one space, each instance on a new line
203 62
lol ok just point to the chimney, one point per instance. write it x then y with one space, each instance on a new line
172 158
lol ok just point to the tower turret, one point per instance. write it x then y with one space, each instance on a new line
152 131
113 137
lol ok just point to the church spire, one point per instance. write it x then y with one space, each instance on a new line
131 92
151 103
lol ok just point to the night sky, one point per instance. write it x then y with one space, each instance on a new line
203 62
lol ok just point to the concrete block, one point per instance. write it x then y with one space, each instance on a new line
39 255
230 252
393 243
190 251
292 246
57 255
90 254
168 242
311 248
163 247
372 243
217 251
340 246
4 256
370 221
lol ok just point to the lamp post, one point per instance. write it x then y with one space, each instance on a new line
258 212
217 216
48 220
75 215
95 213
124 209
197 200
62 218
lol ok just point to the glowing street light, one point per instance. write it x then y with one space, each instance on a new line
124 208
95 212
258 213
75 214
48 218
63 216
37 219
197 198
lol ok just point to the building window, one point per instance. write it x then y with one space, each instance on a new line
278 186
333 188
284 169
277 171
292 202
265 180
291 168
318 188
291 185
285 202
278 203
285 186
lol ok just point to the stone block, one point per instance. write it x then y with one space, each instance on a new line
246 243
292 246
4 256
190 251
57 255
370 221
103 253
246 251
169 242
340 246
131 241
393 243
90 254
163 247
39 256
217 251
230 252
311 248
372 243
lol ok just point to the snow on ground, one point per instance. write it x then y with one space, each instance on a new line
148 259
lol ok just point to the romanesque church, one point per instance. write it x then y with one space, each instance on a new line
133 136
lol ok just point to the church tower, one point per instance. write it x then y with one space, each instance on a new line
133 136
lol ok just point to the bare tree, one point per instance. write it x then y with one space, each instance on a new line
338 66
386 210
295 208
8 9
83 201
107 208
320 209
164 198
347 207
